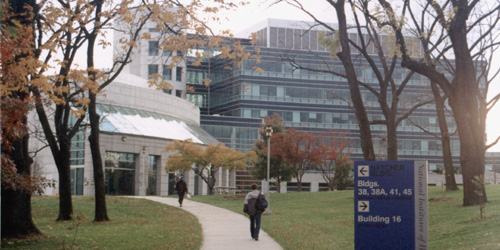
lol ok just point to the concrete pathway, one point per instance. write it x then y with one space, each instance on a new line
222 229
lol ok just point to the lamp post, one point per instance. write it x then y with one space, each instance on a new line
269 133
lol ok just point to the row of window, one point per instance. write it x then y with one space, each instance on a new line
196 77
245 137
178 92
154 50
332 118
304 94
120 173
305 39
166 73
199 100
237 138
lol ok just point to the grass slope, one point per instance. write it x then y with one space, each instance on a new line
135 224
325 220
321 220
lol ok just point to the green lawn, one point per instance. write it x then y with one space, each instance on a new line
135 224
324 220
321 220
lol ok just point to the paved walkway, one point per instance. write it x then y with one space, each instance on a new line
222 229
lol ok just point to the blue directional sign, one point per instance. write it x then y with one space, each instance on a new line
390 205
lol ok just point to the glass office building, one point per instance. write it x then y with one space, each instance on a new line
237 100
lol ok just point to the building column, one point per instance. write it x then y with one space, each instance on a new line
140 172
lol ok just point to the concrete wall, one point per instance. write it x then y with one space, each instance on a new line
134 93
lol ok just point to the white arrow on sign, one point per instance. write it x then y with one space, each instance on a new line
363 171
363 206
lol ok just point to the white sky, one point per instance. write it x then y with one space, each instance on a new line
259 10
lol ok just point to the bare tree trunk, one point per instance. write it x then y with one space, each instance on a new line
299 182
211 183
17 221
359 108
63 168
465 107
101 213
445 140
472 147
392 140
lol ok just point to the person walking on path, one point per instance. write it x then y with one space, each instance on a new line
250 209
222 229
181 188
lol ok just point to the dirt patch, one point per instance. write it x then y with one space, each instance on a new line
441 199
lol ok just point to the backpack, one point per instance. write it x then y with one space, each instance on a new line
261 203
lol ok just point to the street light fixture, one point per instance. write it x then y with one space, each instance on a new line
269 133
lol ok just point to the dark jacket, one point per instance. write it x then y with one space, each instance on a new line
181 187
250 199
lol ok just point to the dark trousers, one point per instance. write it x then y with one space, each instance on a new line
181 198
255 225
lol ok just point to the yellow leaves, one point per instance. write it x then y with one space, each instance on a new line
257 70
215 41
146 36
225 50
254 38
132 44
78 113
332 44
164 85
190 89
196 63
187 153
103 43
206 81
391 46
154 80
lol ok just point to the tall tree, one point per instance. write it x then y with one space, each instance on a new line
16 18
278 169
205 161
299 150
101 212
335 156
464 26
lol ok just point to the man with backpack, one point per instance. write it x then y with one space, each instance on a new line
255 204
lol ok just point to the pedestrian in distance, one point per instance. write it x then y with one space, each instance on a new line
181 188
254 212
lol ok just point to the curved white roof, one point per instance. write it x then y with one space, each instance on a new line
125 120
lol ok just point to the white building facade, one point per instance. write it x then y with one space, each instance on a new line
137 123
